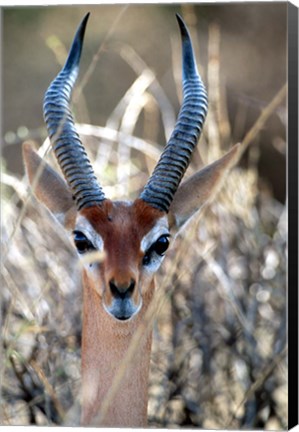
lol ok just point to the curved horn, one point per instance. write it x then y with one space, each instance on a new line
163 183
65 140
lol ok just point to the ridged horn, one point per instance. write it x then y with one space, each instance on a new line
168 173
66 143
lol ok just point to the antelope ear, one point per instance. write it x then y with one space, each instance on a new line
48 187
198 189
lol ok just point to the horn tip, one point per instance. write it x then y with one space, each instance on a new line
76 48
189 62
182 25
85 19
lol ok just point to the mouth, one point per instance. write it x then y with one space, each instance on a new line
122 317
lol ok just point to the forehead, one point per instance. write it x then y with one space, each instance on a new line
115 218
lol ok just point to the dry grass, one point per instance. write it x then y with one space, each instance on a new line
219 354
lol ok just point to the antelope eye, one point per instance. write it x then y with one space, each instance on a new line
159 247
82 243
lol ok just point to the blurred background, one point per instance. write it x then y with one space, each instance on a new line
220 345
252 55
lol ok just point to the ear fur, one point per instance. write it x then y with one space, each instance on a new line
48 187
198 189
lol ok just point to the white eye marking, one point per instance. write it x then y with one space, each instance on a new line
153 256
161 228
153 264
83 225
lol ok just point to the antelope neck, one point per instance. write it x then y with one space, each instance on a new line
105 342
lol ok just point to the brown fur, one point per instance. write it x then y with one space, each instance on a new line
139 217
122 227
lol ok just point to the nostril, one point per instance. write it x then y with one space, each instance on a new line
114 290
122 291
131 287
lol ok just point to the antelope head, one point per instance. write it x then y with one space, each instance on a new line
133 236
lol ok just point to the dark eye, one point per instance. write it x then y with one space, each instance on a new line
159 247
82 243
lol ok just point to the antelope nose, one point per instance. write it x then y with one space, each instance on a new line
122 290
